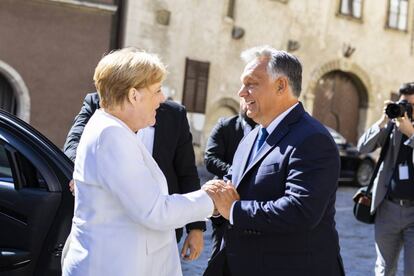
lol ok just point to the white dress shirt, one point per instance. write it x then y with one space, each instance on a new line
146 135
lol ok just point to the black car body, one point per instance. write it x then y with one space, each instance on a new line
355 167
36 206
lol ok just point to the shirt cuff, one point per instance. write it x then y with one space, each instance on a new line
231 213
410 141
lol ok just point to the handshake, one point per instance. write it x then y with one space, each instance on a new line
223 194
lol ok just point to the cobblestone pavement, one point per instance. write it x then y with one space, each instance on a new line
356 240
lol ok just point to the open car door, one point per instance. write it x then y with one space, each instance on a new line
36 206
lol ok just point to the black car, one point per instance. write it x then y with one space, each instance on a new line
355 167
36 206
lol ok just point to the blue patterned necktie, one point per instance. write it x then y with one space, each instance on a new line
262 138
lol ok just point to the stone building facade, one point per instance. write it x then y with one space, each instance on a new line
48 52
355 53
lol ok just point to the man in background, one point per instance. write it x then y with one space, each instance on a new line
221 146
393 190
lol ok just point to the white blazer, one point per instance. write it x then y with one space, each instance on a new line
124 219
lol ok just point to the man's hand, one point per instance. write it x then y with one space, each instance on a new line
194 243
211 187
384 118
225 198
72 187
404 125
223 195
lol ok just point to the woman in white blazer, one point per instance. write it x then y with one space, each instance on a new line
124 219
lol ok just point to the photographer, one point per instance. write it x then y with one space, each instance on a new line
393 190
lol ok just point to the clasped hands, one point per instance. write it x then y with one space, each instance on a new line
223 195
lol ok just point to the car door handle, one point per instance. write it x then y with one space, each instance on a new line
10 258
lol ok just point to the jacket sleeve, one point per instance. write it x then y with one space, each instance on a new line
311 181
410 142
184 165
215 151
373 138
133 184
75 133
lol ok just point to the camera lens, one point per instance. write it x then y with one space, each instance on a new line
394 110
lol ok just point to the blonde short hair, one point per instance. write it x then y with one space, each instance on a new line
121 70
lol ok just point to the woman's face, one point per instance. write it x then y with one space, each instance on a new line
152 96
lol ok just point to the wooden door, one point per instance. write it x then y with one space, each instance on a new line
336 104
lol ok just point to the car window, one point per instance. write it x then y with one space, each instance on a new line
5 169
31 177
338 138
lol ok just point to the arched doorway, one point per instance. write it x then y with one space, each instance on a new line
10 77
339 97
225 107
8 99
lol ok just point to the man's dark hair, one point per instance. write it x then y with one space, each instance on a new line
407 88
288 65
280 63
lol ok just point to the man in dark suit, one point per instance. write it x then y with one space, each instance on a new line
172 149
221 146
286 173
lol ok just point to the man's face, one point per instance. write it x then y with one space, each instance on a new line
258 92
410 99
243 107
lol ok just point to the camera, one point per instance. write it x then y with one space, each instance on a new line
395 110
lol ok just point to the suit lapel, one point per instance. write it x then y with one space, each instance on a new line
396 139
157 135
271 142
155 170
245 148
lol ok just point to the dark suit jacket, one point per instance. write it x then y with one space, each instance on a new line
284 223
173 149
222 144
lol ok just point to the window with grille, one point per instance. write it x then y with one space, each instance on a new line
7 96
195 85
352 8
230 9
397 14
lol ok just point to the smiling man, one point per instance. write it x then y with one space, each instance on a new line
286 174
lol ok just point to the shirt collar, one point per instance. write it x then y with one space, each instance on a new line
276 121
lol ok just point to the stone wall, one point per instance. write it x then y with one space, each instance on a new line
200 30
